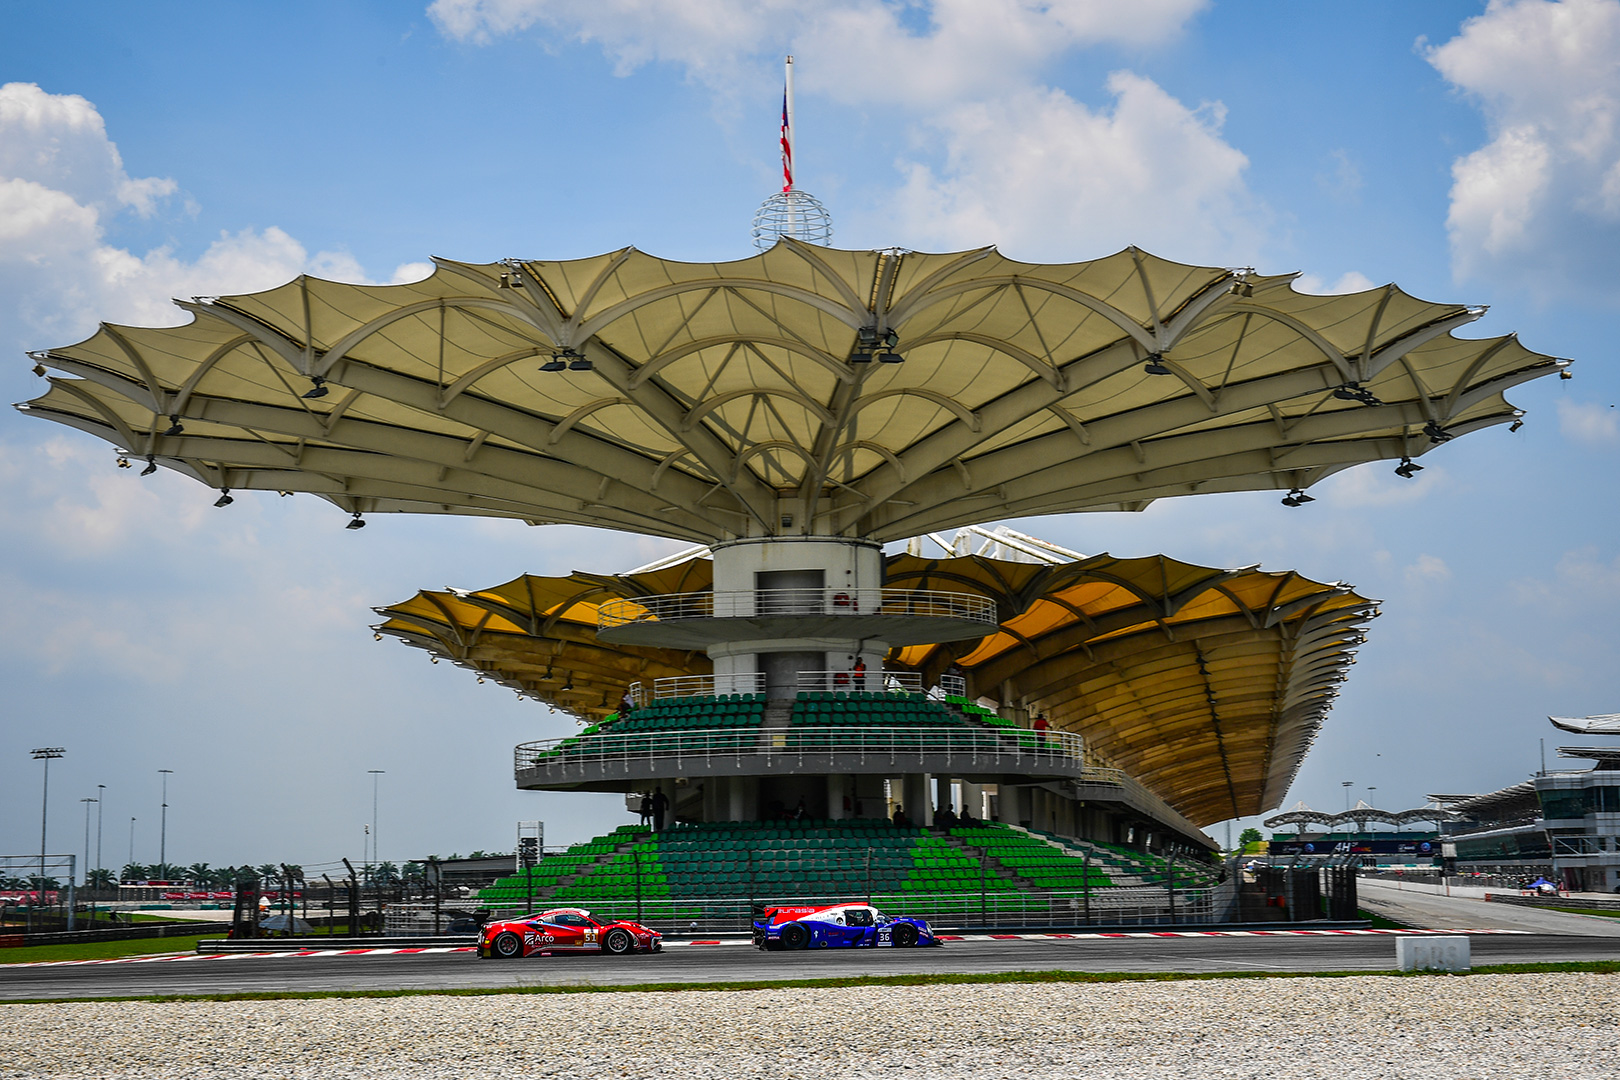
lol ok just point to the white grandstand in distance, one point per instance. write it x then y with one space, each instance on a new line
1604 724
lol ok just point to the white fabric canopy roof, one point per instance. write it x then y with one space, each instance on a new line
721 399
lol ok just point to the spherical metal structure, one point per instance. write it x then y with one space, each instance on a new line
792 213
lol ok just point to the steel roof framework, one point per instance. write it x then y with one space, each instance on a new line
1207 685
721 400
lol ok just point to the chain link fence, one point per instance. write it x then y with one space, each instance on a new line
37 894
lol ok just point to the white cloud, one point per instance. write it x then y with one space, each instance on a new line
1539 205
60 142
1427 569
405 273
62 186
1377 485
1351 281
1589 423
1042 175
997 156
861 50
1343 180
1583 586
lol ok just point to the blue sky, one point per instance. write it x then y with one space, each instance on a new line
1468 152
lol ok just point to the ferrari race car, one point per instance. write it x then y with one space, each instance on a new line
565 930
838 925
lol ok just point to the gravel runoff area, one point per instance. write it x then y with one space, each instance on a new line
1565 1025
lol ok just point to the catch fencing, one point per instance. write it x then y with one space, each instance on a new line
994 910
37 894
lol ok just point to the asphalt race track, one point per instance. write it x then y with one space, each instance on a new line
725 963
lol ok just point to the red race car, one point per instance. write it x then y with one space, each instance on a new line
565 930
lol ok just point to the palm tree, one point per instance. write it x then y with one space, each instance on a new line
133 872
199 873
100 879
268 871
35 881
386 873
413 871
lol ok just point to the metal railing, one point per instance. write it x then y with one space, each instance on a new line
1584 845
868 681
992 908
965 746
953 685
772 603
680 686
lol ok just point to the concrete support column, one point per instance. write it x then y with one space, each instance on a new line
1015 808
972 799
838 789
917 799
736 798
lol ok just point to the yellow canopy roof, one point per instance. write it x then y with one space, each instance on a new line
537 635
1208 685
711 400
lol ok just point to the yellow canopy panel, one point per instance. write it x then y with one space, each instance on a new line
1207 685
805 390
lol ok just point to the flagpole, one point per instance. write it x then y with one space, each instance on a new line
788 112
788 164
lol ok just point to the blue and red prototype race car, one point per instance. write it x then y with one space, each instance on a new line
838 925
565 930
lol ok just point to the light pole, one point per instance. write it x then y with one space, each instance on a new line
375 773
46 754
101 798
87 803
1347 785
163 827
132 841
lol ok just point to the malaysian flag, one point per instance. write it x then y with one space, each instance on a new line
787 147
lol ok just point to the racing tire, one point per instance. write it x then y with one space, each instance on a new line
618 942
904 936
506 946
795 936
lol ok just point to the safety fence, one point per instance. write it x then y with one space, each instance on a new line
1113 906
862 681
959 746
778 603
37 894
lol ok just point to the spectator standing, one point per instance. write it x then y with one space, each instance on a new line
660 806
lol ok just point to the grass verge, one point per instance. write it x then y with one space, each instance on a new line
1600 967
1587 911
105 950
1379 922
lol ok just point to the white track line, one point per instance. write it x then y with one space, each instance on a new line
1088 936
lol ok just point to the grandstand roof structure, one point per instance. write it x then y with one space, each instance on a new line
803 391
1208 685
1358 815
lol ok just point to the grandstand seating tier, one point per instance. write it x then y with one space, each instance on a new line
783 859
